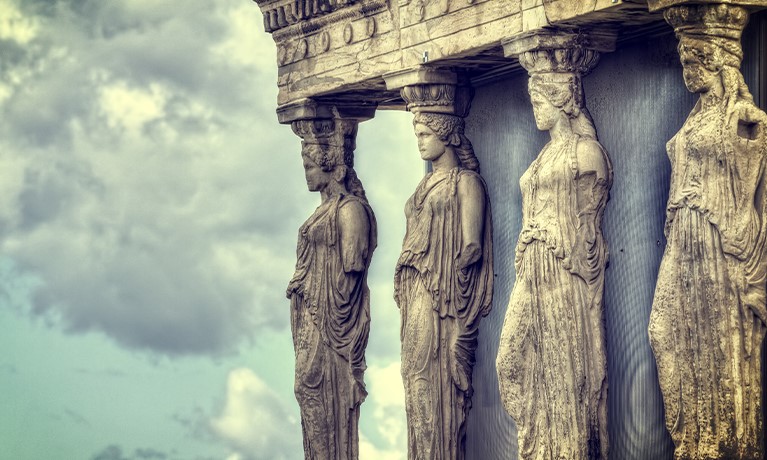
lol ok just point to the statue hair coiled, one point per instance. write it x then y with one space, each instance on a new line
450 130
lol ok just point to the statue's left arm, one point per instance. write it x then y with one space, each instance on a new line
471 208
354 236
591 187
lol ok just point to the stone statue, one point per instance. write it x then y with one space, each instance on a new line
552 365
708 315
330 312
443 286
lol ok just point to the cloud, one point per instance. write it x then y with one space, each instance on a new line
384 426
115 452
76 417
147 191
254 422
111 452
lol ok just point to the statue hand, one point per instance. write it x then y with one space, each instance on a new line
468 256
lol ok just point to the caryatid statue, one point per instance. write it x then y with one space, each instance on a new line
552 362
444 275
329 298
708 316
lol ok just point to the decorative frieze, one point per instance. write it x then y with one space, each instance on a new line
279 14
329 297
443 280
709 312
552 362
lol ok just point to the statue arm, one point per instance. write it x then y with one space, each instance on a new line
591 182
471 209
354 236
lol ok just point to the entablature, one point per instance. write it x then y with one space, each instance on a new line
341 50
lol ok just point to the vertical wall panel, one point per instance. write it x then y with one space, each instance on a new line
502 129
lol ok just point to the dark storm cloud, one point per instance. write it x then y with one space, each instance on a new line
148 188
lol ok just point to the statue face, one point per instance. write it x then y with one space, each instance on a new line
430 146
698 77
546 113
316 178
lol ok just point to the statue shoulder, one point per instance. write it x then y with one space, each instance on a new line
591 157
353 212
470 179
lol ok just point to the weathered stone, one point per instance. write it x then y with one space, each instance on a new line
657 5
552 363
347 46
708 317
444 278
329 308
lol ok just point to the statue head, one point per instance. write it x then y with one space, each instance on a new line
555 87
554 95
559 96
320 171
328 155
709 47
448 130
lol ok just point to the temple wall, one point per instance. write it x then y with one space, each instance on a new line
638 101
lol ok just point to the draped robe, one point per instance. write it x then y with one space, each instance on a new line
552 363
708 316
330 319
441 306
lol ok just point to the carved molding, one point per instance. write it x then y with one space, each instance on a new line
708 317
339 11
552 362
279 14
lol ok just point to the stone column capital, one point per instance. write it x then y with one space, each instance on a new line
311 109
657 5
432 89
330 125
560 50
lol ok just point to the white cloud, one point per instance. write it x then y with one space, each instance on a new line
384 412
132 108
254 422
16 26
368 451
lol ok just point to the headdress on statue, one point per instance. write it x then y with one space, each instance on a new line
574 60
327 142
556 72
709 33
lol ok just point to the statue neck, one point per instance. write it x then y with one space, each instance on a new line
446 161
561 128
332 190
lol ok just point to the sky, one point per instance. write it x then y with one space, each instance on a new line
149 208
